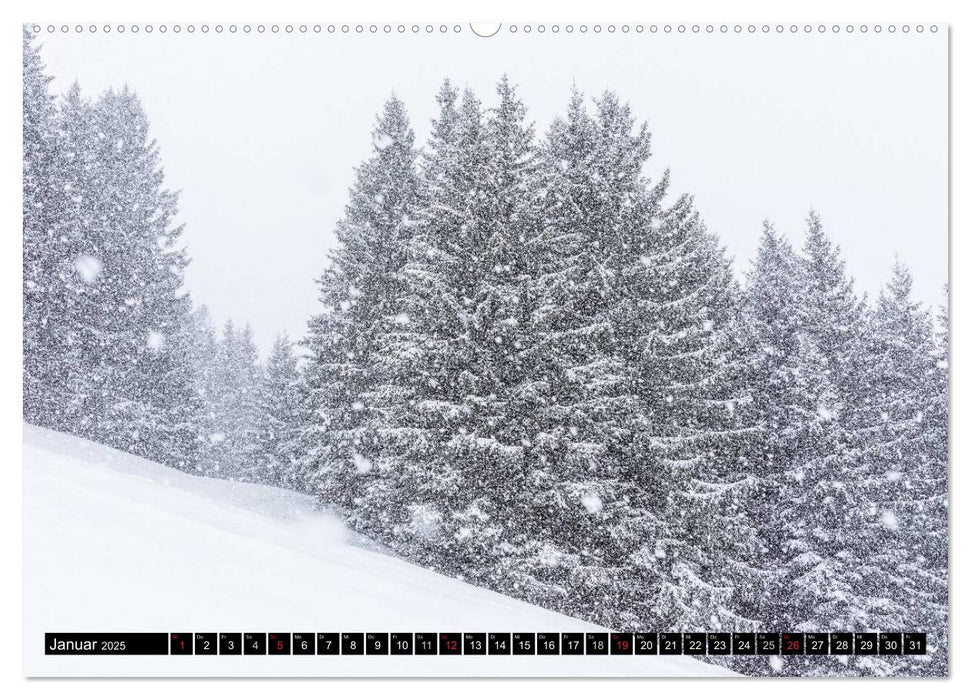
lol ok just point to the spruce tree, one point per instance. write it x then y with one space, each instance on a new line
234 448
454 365
770 333
823 493
138 345
690 442
594 195
362 299
111 342
492 522
425 358
934 541
205 358
902 535
280 418
79 269
47 354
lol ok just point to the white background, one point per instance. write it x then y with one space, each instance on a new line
602 10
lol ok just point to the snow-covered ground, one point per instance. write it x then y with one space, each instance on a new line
117 543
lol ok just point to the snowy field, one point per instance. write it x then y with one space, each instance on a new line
117 543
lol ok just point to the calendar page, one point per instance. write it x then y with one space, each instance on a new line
409 349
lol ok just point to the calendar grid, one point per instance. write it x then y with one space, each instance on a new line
375 644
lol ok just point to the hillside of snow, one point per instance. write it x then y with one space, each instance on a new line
117 543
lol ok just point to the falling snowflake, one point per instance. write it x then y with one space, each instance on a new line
155 341
426 522
357 406
889 520
591 502
824 412
402 319
382 140
89 267
216 438
361 463
775 663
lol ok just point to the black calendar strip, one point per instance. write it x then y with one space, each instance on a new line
110 644
487 643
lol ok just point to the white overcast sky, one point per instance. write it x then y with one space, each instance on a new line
261 133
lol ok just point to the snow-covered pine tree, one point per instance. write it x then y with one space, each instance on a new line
281 417
78 271
361 295
592 187
116 324
493 521
769 332
48 356
234 449
205 358
220 399
823 493
457 363
902 539
934 541
689 441
939 409
938 416
139 352
639 308
425 358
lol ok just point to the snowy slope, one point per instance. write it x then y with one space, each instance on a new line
117 543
